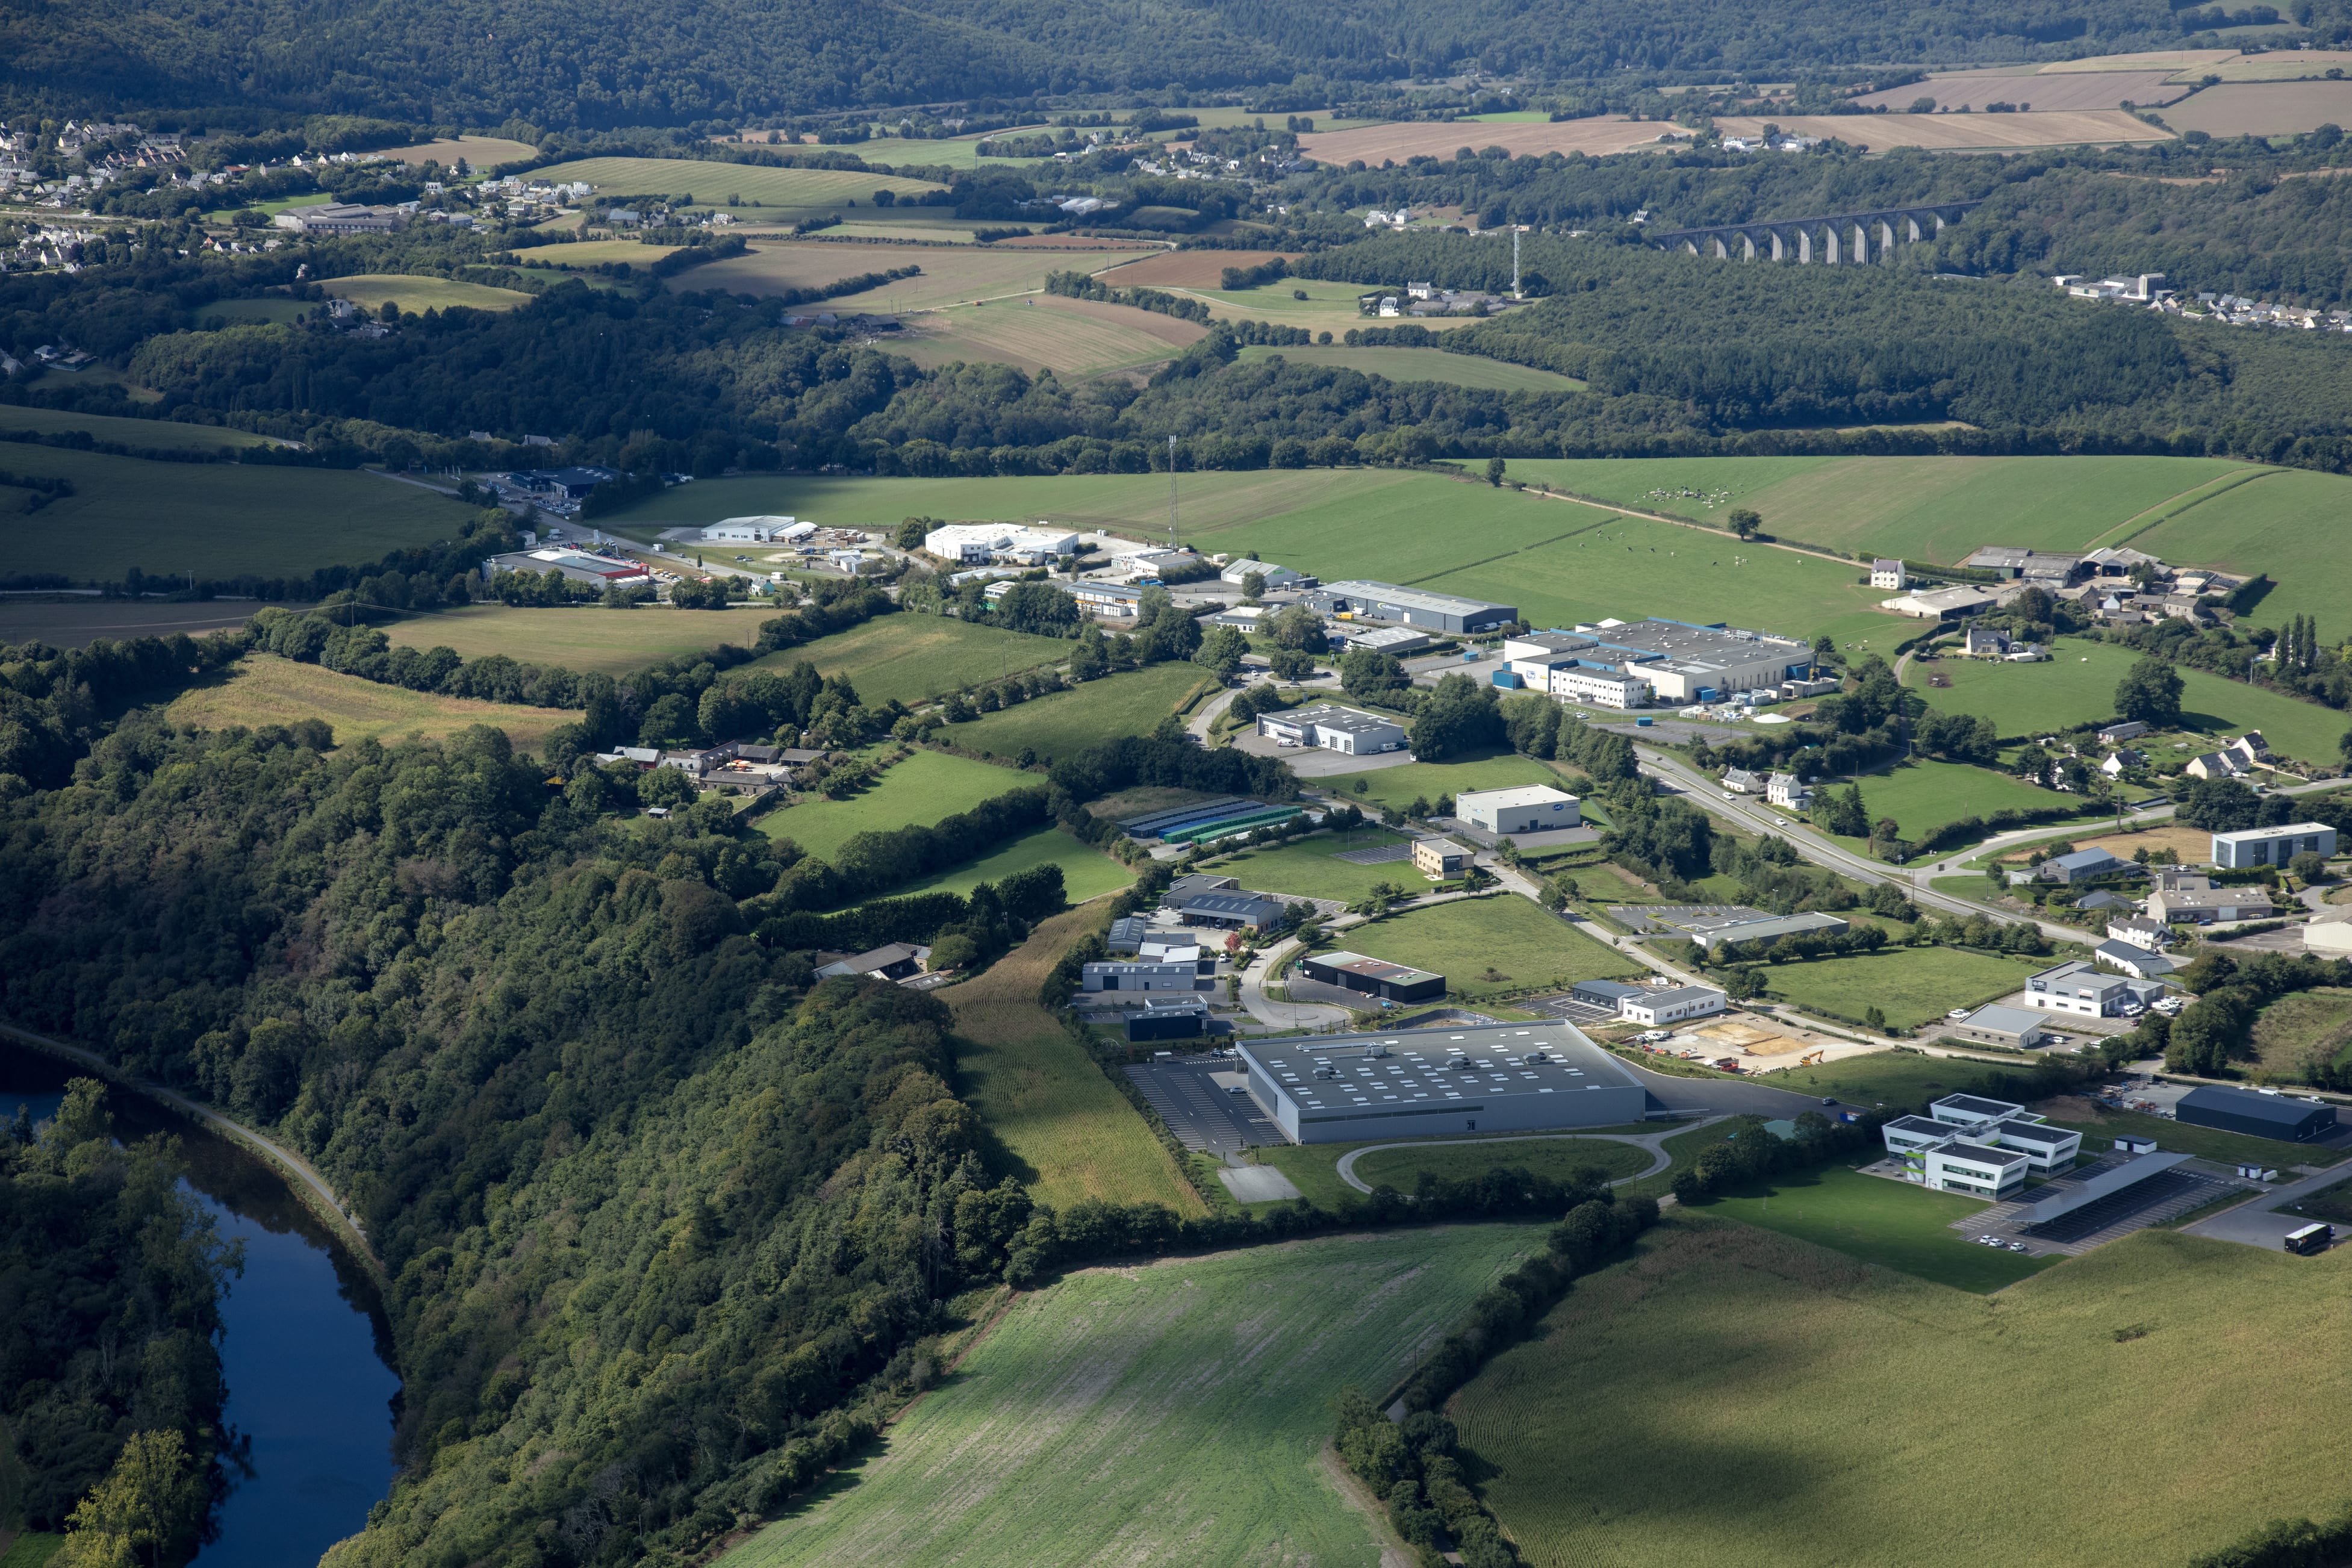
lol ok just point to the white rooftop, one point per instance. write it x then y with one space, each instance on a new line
1525 794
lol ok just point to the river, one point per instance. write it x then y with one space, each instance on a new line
303 1351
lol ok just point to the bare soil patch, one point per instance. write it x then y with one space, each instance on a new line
2074 92
2264 108
1378 143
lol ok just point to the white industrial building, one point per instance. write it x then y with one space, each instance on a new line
1349 730
1983 1147
1629 664
1276 577
1537 808
759 530
1673 1004
974 544
1488 1078
2272 845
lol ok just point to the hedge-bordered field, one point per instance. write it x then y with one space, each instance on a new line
1159 1414
1734 1395
1504 933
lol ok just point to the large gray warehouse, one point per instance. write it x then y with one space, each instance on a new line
1498 1079
1409 607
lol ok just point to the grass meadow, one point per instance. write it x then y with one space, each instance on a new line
1064 723
949 276
1313 1168
483 152
1047 332
916 658
2303 1027
1310 867
372 290
1328 307
584 637
2288 523
1067 1133
1912 985
1425 364
2079 684
1893 1080
1086 872
216 520
1730 1395
1921 796
1160 1414
262 688
795 190
165 435
923 789
1483 945
1924 508
1892 1223
1559 1158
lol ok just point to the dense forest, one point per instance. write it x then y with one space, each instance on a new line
487 60
110 1278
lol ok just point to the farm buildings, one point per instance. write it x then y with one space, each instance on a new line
1500 1077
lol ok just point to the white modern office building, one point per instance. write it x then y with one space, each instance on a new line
2272 845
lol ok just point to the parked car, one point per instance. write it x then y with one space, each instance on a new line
1958 1013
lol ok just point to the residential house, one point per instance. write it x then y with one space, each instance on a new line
1788 792
1740 781
2117 762
2140 931
898 961
2214 765
2250 748
1888 574
1985 642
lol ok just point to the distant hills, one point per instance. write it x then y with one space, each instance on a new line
603 64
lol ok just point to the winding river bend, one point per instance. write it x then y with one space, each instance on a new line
304 1350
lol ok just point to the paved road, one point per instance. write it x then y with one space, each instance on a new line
2256 1222
1655 1143
285 1159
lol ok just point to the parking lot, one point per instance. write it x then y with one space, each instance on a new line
1188 1095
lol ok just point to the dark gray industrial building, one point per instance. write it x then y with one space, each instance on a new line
1169 1018
1409 607
2279 1116
1373 977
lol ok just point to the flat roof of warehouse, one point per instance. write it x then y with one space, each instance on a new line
1412 1075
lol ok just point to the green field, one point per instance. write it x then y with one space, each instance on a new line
1064 723
1734 1395
1400 786
1879 1220
1130 504
2101 1126
2302 1028
1086 872
216 520
795 190
2079 684
1922 508
1329 307
1912 985
370 292
923 789
1046 332
1893 1080
913 658
1062 1128
1310 867
31 1549
165 435
1423 364
1171 1413
1558 1158
584 637
1502 935
262 688
2288 524
1922 796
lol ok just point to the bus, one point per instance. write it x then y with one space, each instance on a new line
2310 1238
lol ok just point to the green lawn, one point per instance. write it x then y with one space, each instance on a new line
216 520
1423 364
2079 685
1896 1080
1166 1413
584 637
912 658
1923 796
2100 1127
1086 872
1923 509
1912 985
1064 723
1504 933
1310 867
1400 786
1732 1396
1892 1223
924 788
168 435
1559 1158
